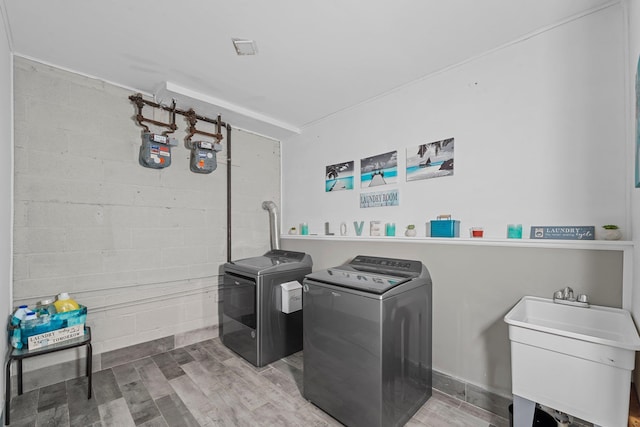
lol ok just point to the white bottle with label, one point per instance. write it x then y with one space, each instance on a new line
21 312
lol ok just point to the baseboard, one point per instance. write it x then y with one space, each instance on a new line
472 394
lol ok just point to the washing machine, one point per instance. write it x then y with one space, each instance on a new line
252 321
367 340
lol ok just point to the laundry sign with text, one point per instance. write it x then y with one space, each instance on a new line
572 232
55 336
379 198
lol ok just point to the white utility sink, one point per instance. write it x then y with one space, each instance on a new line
574 359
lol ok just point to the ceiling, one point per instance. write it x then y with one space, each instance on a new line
315 58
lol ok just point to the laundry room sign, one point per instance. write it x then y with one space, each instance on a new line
379 198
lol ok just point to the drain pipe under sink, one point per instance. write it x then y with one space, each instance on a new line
274 226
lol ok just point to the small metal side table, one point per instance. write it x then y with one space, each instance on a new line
20 355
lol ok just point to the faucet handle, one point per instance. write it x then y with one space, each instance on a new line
567 293
583 298
558 295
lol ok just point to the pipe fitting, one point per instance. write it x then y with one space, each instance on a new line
274 223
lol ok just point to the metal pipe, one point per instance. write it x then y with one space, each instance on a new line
274 226
139 100
192 118
228 190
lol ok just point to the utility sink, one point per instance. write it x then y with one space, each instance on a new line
574 359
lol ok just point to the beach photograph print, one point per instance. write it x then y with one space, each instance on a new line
379 170
339 177
430 160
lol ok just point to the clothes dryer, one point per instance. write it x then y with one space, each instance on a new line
251 319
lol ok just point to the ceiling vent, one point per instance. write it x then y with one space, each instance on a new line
245 47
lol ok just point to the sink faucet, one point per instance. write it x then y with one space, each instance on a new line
565 296
567 293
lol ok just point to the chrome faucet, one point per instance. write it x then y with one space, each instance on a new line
565 296
567 293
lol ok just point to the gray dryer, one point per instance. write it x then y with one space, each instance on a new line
251 319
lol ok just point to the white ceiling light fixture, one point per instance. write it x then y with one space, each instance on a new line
245 47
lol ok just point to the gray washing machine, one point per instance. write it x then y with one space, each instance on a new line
251 319
367 340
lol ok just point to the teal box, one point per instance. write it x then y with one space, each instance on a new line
42 324
445 228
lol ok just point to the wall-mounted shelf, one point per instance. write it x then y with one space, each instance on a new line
624 246
600 245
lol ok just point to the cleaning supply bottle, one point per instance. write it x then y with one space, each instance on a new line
31 315
15 335
46 307
16 338
65 303
19 314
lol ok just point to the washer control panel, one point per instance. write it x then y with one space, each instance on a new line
403 267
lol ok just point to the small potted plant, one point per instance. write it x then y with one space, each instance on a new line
293 230
611 232
410 231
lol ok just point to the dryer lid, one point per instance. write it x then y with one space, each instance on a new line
274 260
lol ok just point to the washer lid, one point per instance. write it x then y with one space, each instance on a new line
372 274
360 280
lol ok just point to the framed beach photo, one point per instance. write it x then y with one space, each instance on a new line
431 160
379 170
339 177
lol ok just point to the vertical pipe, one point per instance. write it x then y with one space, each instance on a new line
228 191
274 223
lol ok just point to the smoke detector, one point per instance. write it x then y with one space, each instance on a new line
245 47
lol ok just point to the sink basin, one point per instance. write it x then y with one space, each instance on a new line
573 359
596 324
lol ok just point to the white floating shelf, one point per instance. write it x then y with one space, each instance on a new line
600 245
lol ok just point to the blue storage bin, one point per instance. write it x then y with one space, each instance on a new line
29 328
445 228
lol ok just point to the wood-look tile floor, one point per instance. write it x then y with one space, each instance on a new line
205 384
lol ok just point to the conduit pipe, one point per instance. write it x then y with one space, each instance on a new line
228 126
273 223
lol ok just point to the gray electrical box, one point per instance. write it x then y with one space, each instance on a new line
203 156
155 151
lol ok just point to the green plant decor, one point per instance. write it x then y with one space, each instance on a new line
610 227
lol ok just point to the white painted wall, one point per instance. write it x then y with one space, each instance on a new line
6 185
633 19
633 9
141 248
539 130
540 138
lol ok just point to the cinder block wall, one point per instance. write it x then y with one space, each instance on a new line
141 248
